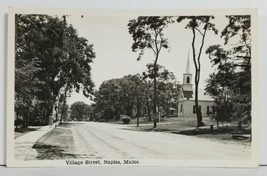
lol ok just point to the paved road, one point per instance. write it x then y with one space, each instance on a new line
104 141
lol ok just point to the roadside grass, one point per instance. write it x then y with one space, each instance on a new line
187 126
21 131
145 120
57 144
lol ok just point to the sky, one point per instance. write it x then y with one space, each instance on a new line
115 59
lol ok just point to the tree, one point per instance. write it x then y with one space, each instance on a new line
148 96
88 112
167 91
120 96
198 25
107 100
79 110
147 33
25 89
127 95
239 28
166 87
220 83
63 58
233 71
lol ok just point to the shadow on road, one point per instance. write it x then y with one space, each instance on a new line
56 144
48 152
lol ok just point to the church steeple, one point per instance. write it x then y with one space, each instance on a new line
188 64
187 81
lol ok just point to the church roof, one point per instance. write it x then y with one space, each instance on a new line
188 94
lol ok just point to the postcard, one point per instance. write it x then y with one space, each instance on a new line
132 87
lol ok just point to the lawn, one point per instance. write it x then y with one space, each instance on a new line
187 126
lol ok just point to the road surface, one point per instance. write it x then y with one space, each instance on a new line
94 140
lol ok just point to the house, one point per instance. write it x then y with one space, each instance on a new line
186 99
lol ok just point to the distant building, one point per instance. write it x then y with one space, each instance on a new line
186 99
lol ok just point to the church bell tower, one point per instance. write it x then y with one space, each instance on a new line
187 81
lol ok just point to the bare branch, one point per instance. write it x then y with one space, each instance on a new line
199 31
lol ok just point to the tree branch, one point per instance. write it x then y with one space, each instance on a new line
200 51
199 31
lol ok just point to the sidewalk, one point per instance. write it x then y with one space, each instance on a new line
24 143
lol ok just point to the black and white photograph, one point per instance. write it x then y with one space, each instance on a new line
132 88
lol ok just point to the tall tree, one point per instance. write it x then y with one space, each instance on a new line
108 100
168 91
239 29
198 25
63 57
166 87
25 89
220 83
147 33
233 65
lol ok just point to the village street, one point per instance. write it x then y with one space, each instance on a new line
94 140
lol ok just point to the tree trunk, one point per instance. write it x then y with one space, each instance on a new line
148 109
198 111
138 112
155 95
155 100
197 75
26 119
64 105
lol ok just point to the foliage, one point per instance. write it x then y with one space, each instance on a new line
230 84
126 119
49 56
119 96
166 88
132 95
80 111
147 33
18 123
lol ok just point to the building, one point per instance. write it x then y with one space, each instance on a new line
186 99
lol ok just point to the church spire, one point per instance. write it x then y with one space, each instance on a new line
187 81
188 64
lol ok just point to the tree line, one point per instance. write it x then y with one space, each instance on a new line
132 95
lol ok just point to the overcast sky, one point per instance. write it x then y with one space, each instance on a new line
114 57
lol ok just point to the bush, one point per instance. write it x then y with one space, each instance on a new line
18 122
126 119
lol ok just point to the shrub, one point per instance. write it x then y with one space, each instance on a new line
126 119
18 122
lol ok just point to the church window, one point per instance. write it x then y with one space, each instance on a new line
187 80
181 108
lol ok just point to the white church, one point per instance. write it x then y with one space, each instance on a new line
186 99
